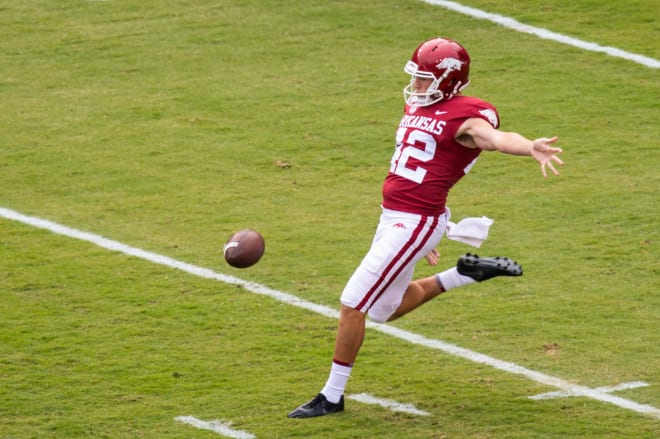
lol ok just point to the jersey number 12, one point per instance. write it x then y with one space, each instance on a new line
418 145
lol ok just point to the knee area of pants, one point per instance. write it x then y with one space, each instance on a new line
378 318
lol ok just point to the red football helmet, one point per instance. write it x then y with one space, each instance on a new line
443 60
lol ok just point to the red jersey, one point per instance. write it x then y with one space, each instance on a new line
427 160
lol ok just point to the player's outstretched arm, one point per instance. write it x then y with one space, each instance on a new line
477 133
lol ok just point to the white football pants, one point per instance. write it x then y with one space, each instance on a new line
377 286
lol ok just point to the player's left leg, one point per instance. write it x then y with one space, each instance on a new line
376 287
350 335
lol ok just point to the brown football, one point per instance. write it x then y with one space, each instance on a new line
244 248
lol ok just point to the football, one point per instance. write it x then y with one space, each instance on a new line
244 248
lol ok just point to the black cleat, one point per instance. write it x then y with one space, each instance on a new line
481 269
319 406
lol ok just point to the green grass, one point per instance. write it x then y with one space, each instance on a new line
159 125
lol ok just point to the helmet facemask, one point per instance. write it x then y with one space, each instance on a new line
434 92
412 97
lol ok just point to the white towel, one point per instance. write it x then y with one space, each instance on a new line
472 231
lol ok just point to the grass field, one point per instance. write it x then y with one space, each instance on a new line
163 125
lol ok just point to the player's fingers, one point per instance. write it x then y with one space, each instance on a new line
552 168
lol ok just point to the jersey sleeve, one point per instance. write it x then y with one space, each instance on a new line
488 113
481 109
464 108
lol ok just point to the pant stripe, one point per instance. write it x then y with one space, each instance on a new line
392 270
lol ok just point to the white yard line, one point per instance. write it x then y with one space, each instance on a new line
394 406
222 428
290 299
606 389
545 34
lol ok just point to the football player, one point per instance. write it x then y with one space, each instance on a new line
438 140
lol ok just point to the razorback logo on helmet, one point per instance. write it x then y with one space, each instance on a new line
450 64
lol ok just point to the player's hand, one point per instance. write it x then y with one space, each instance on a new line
545 154
433 257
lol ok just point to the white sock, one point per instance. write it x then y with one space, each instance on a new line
334 387
453 279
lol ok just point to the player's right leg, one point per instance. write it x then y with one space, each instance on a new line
469 269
